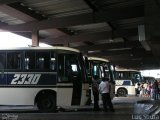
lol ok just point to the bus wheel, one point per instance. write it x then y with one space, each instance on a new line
121 92
46 103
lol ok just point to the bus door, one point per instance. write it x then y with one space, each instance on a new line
69 72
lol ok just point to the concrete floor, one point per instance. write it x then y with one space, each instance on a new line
122 113
123 106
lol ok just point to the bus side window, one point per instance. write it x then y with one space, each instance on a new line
40 63
2 65
13 60
29 60
53 62
61 67
43 60
26 63
2 61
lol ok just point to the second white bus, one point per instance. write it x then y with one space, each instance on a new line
103 69
125 80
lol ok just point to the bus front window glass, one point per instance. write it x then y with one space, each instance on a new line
94 70
67 67
13 60
137 78
101 71
107 74
74 68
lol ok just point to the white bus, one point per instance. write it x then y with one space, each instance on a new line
103 69
45 77
125 80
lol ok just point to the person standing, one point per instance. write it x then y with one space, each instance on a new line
95 91
104 89
156 90
142 90
136 89
145 85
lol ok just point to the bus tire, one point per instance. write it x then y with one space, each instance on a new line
121 92
46 103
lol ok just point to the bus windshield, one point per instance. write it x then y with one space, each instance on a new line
102 69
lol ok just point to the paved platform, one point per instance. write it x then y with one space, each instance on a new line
129 99
123 112
124 107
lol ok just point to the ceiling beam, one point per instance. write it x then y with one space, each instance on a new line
113 52
103 16
144 63
125 32
128 23
51 23
126 62
118 45
25 18
2 2
92 36
79 38
129 64
136 54
25 9
16 13
132 54
120 13
123 56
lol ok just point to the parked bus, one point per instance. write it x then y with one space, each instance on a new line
45 77
103 69
125 81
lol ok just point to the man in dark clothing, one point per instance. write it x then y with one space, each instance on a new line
156 90
95 92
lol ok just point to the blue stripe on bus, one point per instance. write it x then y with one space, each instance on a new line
126 82
37 86
23 79
3 79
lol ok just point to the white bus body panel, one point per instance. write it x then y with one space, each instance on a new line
26 96
18 96
64 96
130 88
84 97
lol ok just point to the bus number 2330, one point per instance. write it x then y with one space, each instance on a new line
26 79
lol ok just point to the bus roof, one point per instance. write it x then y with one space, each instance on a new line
97 58
41 48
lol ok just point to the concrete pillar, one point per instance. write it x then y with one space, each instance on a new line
35 38
152 27
142 37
